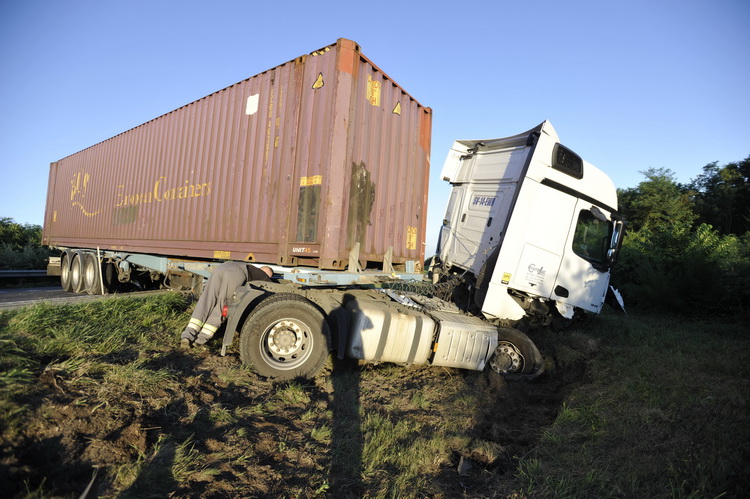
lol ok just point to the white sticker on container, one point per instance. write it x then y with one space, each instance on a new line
252 104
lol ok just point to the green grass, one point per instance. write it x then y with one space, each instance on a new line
101 346
658 409
664 415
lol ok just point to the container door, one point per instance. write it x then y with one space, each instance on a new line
312 161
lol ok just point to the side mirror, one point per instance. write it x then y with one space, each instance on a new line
615 243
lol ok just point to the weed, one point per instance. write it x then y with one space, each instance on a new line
188 462
221 415
235 375
530 472
321 434
135 379
247 411
293 394
420 401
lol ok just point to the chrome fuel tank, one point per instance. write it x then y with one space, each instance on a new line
464 342
381 332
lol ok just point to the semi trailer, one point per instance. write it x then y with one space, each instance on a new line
319 168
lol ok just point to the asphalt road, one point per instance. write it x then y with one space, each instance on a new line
21 297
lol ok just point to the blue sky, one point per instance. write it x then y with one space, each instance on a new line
628 85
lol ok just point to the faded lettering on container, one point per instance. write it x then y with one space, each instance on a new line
162 190
373 91
78 187
411 237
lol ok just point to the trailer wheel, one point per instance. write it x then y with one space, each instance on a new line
516 357
65 276
91 281
109 277
91 270
77 283
285 337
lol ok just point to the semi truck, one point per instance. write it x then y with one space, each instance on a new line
319 168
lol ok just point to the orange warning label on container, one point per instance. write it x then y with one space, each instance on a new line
319 83
314 180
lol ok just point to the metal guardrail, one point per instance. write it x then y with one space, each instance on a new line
22 273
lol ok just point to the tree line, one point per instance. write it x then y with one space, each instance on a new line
687 246
20 246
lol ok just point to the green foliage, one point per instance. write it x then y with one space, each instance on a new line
722 196
93 345
685 270
657 203
111 325
20 246
26 258
18 236
672 258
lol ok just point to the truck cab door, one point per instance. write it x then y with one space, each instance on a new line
584 274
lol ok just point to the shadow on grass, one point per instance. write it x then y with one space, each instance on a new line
348 439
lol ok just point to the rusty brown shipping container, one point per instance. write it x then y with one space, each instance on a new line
293 166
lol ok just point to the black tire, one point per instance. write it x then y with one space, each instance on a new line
285 337
65 276
91 277
77 283
109 277
516 357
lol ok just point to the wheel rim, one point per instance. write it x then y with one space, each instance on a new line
65 273
90 276
76 274
507 358
286 344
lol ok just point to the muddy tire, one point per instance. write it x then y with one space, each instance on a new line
516 357
65 281
77 283
285 337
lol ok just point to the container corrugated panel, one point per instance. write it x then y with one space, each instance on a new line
292 166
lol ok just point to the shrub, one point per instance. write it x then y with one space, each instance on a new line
20 247
685 271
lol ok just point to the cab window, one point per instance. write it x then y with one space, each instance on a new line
591 240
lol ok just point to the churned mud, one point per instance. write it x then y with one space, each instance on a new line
212 428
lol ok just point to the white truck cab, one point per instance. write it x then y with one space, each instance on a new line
533 222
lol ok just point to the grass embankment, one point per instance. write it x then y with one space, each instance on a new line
664 413
98 395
